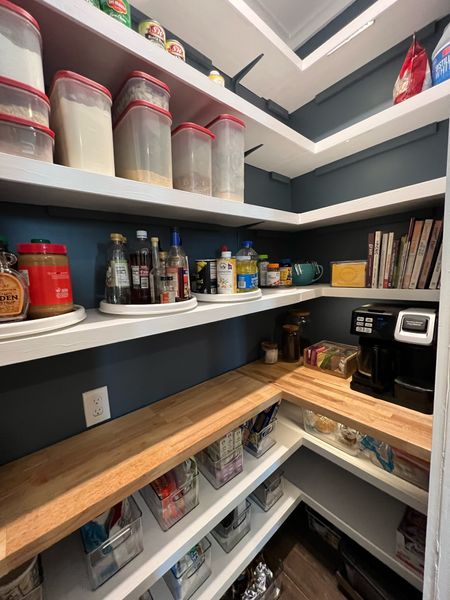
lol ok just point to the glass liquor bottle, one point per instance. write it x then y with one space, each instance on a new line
177 266
117 285
140 264
155 273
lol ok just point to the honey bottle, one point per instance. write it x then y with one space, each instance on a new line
14 296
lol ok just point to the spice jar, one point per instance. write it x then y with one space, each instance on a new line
290 343
273 275
46 268
285 272
270 352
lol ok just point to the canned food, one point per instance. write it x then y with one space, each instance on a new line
118 9
206 276
176 48
217 78
153 31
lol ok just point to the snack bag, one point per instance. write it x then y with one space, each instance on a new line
415 74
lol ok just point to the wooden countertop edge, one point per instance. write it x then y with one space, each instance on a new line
47 530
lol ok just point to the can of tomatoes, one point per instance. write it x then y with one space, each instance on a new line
153 31
176 48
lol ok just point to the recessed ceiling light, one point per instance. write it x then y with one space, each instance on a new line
353 35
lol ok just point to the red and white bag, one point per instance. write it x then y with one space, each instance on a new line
415 74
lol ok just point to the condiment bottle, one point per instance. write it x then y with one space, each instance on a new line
273 275
46 269
177 265
14 297
140 264
290 343
117 284
263 263
285 272
247 270
226 273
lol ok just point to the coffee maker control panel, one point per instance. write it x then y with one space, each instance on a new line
375 320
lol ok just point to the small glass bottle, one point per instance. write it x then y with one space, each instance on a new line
14 296
140 264
263 263
273 275
285 272
167 292
290 343
177 264
117 285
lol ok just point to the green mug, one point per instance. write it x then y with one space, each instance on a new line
306 273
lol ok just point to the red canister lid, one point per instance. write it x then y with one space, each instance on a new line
226 117
20 11
189 125
23 86
81 79
147 77
144 104
26 123
41 248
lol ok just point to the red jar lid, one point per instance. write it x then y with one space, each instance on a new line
147 77
145 104
188 125
20 11
23 86
27 123
81 79
226 117
34 248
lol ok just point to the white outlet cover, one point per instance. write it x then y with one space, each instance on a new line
96 406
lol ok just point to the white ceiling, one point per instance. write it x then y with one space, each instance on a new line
296 21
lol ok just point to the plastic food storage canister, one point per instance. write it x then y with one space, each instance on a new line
228 157
141 86
142 144
191 158
20 100
20 46
25 138
81 120
46 268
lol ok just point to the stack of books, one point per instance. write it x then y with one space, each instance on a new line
410 262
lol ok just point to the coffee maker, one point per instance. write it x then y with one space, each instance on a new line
397 354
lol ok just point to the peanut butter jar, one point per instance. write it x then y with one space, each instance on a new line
46 268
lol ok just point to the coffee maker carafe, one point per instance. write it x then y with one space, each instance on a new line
397 354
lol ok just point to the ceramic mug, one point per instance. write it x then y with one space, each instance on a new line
306 273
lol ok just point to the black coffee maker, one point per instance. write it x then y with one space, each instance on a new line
397 354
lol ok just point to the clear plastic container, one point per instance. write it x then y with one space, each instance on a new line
36 594
20 46
230 531
23 582
142 144
81 120
191 158
117 551
25 138
269 492
173 495
258 442
336 434
190 572
219 472
20 100
228 157
140 86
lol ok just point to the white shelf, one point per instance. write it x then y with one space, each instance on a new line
281 75
100 330
65 571
367 515
34 182
196 98
227 567
408 198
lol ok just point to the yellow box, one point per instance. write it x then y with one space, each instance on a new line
349 273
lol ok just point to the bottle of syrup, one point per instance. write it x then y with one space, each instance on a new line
14 297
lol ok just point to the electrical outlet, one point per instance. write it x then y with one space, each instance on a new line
96 406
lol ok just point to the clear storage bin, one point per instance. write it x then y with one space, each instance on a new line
258 442
230 531
190 572
191 158
20 100
25 138
269 492
142 144
173 495
24 582
107 559
336 434
36 594
81 120
221 471
228 157
140 86
20 46
331 357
